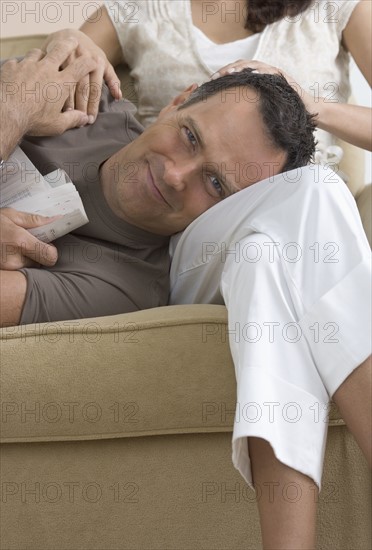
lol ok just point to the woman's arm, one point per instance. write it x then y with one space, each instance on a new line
353 123
350 123
357 38
100 29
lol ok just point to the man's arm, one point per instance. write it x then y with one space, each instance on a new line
33 92
32 95
13 290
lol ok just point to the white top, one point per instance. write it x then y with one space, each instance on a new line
290 259
216 56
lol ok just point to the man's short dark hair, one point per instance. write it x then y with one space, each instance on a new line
288 124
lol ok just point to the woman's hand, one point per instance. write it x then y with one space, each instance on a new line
240 64
88 91
310 103
351 123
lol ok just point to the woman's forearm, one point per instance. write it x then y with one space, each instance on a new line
351 123
101 30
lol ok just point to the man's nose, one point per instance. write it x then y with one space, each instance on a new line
178 174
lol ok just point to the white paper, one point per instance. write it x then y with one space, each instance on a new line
23 188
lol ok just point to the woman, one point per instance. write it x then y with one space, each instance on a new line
170 44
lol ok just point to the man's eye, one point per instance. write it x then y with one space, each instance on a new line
217 188
190 136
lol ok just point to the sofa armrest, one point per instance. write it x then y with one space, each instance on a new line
19 45
165 364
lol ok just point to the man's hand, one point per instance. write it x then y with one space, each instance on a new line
33 92
18 247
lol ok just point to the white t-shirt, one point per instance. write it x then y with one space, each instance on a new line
216 56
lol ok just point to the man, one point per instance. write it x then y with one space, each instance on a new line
146 186
139 188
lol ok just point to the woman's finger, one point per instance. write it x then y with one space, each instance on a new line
94 94
82 94
113 82
241 64
70 101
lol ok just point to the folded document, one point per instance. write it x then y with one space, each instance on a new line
23 188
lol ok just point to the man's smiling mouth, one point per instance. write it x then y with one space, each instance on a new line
154 188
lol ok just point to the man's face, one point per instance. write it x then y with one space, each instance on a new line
191 159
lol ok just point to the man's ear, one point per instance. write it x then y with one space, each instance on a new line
179 99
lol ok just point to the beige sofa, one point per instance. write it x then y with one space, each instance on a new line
116 435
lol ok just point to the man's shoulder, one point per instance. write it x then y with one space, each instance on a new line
108 104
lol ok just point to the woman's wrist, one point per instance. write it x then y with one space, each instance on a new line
325 119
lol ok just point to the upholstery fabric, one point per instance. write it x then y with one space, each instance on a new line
120 429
